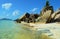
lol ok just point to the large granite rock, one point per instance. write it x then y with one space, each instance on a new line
24 18
46 8
44 17
46 13
56 16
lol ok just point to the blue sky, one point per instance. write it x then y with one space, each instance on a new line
14 9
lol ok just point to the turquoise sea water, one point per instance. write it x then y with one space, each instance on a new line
12 30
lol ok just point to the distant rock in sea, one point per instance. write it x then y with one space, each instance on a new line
6 19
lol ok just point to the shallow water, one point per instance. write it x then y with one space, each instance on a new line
12 30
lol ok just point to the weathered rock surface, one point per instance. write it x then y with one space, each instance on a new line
46 13
56 16
45 17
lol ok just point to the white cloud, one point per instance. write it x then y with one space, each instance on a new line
34 9
6 5
16 12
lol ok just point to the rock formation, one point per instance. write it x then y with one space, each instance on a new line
28 18
47 15
33 17
23 18
55 16
46 8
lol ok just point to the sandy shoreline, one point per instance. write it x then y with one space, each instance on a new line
53 27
